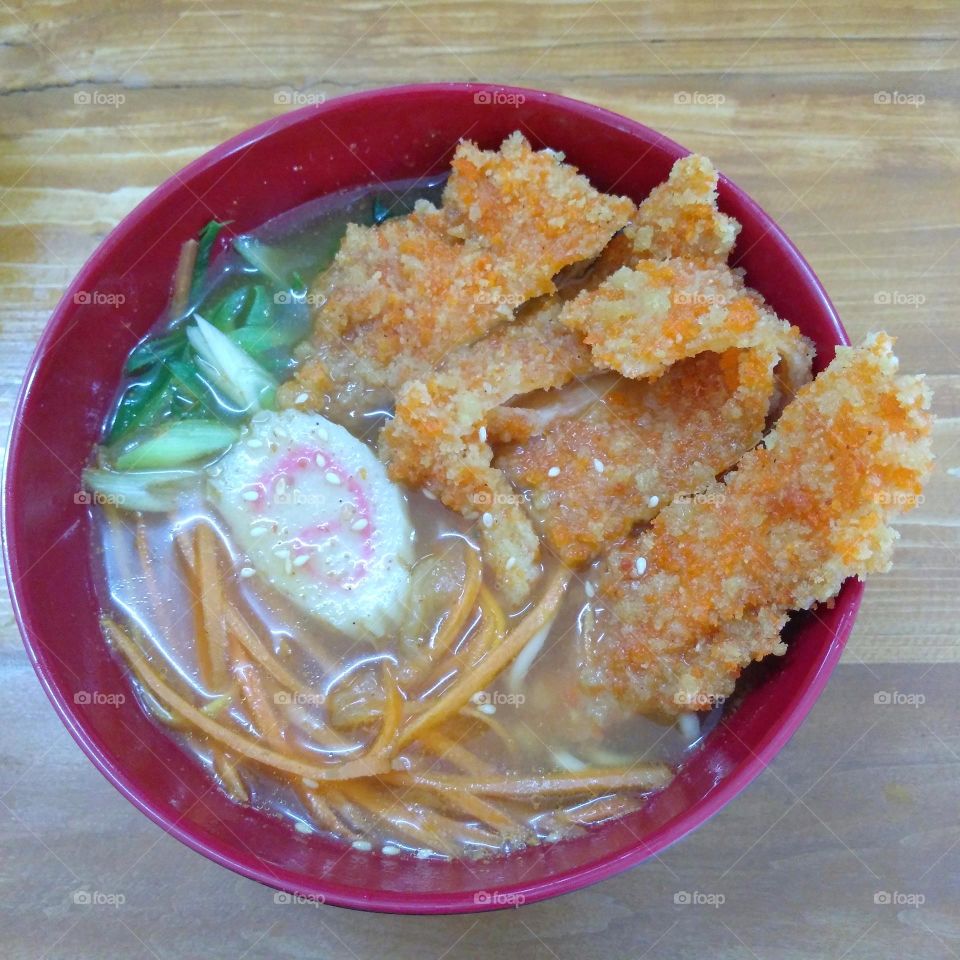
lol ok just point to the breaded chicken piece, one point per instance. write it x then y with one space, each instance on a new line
437 439
683 607
401 296
591 477
680 218
642 320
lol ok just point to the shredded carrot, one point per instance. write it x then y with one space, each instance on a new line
459 694
183 278
253 696
457 617
446 748
211 601
639 776
237 743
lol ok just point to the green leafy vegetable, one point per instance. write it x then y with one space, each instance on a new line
261 310
142 403
178 443
229 312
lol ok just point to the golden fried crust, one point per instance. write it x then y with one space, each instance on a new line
589 478
399 297
680 218
706 588
437 439
642 320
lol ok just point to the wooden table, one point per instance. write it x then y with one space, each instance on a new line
843 120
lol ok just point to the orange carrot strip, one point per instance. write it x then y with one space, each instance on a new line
360 767
639 776
459 694
183 278
211 601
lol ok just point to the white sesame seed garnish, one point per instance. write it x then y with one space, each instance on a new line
653 501
482 434
424 854
589 589
258 531
332 478
429 495
364 845
281 487
389 850
488 708
359 525
254 443
598 466
302 827
247 572
641 566
487 519
281 553
251 495
302 398
323 435
553 472
511 561
320 460
304 558
312 784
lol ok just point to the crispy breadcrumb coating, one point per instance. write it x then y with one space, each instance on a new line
437 439
642 320
684 606
680 218
591 477
400 296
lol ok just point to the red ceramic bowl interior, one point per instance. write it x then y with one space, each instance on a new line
382 135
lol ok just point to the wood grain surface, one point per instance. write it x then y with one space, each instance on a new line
843 121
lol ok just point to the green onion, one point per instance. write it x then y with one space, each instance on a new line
256 340
231 368
142 403
266 259
228 313
177 444
148 490
261 310
153 350
208 236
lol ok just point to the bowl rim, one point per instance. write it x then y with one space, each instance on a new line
386 901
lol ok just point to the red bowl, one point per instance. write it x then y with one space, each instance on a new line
381 135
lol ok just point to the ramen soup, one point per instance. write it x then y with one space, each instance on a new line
441 517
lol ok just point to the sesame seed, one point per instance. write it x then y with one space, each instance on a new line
254 443
332 478
589 589
598 466
488 708
653 501
281 487
359 525
281 553
424 854
312 784
323 435
511 561
641 566
302 398
251 495
301 560
482 433
389 850
320 460
364 845
553 472
246 572
429 495
258 531
487 519
301 827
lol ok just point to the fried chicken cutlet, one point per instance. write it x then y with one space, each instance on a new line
706 589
